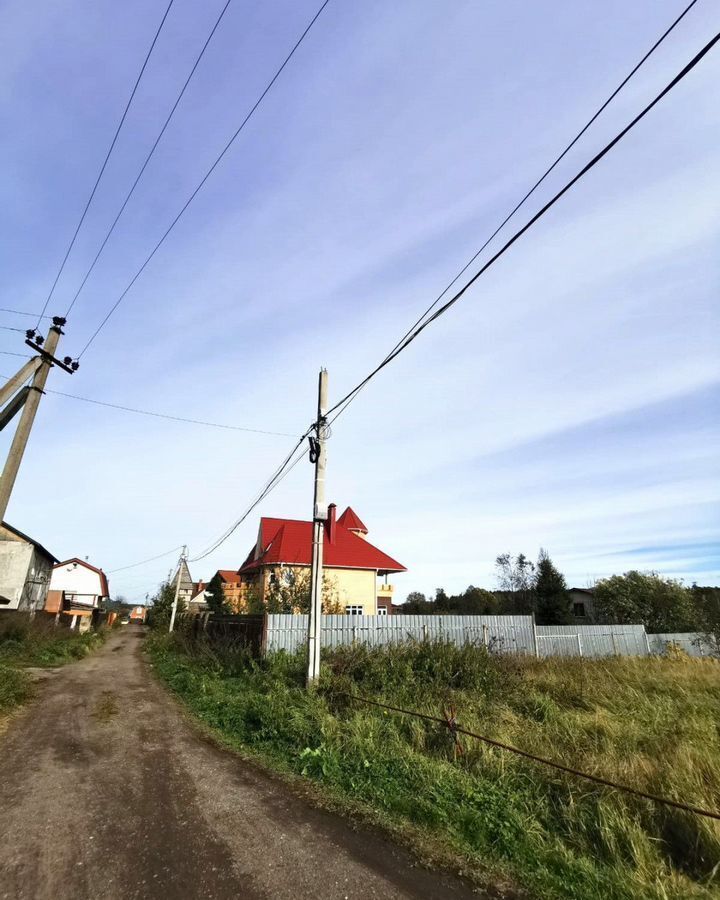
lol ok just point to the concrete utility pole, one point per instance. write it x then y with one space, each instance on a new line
318 454
183 557
17 449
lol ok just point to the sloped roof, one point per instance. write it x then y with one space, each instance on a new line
29 540
350 520
289 541
81 562
230 576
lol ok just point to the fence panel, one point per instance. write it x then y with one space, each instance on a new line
690 642
509 634
593 641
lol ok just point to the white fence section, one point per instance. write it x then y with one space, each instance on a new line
593 641
511 634
691 643
502 634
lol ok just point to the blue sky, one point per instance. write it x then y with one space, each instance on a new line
570 401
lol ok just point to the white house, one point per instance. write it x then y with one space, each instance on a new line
76 589
25 568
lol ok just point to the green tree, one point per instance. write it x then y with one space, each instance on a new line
644 598
706 603
215 596
417 604
516 579
161 606
475 601
551 599
289 592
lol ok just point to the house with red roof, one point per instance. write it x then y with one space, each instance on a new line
351 564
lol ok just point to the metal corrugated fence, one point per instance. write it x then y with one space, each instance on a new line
690 642
511 634
503 634
592 640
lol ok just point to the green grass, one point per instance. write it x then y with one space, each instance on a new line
650 723
26 643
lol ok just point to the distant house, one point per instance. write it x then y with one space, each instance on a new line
198 601
232 586
582 607
25 568
77 589
187 586
350 561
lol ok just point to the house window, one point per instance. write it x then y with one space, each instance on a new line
353 610
382 610
579 610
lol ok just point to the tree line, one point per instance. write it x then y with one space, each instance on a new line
525 587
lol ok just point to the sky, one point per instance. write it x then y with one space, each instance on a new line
570 401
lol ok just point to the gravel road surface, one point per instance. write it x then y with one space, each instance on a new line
107 791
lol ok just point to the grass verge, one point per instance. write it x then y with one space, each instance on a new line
25 643
650 723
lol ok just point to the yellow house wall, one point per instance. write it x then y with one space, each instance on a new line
352 587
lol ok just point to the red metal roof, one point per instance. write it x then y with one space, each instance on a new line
350 520
289 541
81 562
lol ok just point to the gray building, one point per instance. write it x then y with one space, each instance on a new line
582 606
25 568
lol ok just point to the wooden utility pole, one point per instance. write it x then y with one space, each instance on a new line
319 516
182 559
42 368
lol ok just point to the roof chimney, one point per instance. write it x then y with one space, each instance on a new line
330 523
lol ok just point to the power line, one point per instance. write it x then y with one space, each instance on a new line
10 328
204 179
145 412
11 353
540 180
19 312
143 561
281 472
107 157
518 234
149 156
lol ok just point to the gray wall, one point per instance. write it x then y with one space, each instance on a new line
24 576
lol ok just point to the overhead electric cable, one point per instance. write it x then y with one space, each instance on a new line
19 312
542 178
148 157
107 157
204 178
283 469
145 412
143 561
518 234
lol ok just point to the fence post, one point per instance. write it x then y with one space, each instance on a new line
579 643
264 639
535 637
647 641
485 631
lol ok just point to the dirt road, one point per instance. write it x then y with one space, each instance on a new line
106 791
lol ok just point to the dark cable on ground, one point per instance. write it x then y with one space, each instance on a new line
204 179
148 157
456 729
538 215
105 161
